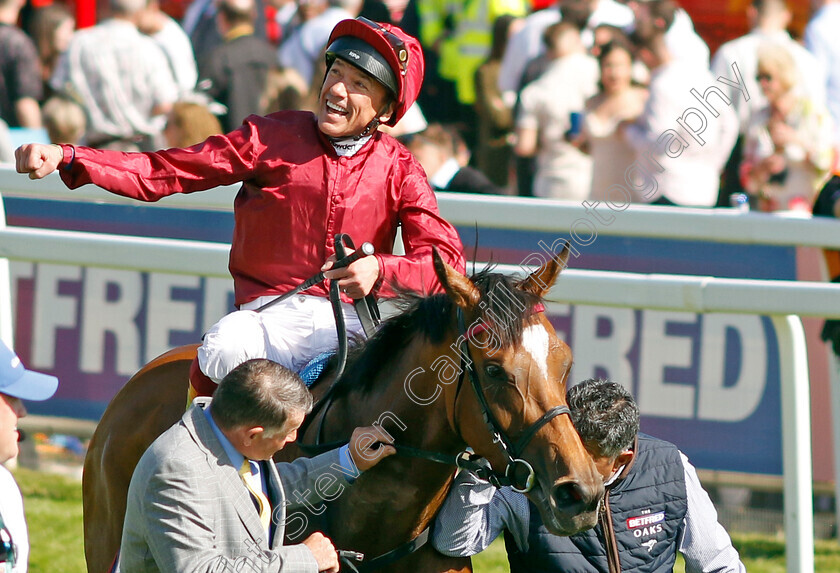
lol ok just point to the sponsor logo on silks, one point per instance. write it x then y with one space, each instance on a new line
646 525
353 55
649 544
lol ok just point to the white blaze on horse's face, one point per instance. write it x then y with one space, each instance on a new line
535 342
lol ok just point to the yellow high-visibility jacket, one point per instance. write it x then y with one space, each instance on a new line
469 44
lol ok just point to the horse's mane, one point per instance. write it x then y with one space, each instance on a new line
430 317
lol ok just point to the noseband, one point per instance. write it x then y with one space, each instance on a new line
512 451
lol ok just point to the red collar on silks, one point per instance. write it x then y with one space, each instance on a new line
482 326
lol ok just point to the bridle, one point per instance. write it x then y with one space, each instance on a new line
519 474
472 462
521 482
512 451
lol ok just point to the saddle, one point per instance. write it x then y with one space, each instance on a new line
366 308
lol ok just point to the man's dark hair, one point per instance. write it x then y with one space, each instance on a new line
614 45
438 135
770 7
605 415
650 32
577 13
259 392
553 33
662 13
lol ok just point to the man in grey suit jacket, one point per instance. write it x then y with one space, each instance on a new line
189 510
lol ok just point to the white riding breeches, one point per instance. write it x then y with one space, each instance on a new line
291 333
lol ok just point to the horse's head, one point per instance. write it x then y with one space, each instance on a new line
516 389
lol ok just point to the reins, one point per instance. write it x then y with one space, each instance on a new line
368 313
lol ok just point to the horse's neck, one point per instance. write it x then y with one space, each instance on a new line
388 402
408 489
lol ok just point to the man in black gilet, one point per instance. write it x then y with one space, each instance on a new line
654 504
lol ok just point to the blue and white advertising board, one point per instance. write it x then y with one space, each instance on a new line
710 383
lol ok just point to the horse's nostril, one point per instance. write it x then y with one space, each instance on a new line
568 495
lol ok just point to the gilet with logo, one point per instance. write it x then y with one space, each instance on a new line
639 523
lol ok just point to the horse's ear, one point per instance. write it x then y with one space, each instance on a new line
541 280
459 288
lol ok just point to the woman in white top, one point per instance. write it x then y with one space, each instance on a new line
619 99
787 149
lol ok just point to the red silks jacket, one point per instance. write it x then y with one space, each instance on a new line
297 193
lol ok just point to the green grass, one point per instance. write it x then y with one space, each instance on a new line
760 554
53 506
493 559
54 514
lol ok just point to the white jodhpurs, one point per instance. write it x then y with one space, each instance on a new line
290 333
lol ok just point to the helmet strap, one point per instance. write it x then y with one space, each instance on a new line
374 123
369 128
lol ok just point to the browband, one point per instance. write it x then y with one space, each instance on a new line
482 326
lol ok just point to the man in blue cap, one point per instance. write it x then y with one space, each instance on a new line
16 384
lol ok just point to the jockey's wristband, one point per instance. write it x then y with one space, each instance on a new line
68 163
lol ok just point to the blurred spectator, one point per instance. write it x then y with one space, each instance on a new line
286 18
430 22
537 66
768 21
526 165
284 89
676 168
377 11
174 42
787 148
683 42
65 120
52 30
618 100
443 159
235 72
828 205
414 121
823 40
603 35
199 24
304 49
122 79
495 115
527 44
563 171
467 46
21 85
190 122
16 384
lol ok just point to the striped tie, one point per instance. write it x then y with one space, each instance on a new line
250 481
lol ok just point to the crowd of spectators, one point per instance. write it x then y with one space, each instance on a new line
575 100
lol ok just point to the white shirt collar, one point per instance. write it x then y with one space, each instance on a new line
441 179
347 146
614 477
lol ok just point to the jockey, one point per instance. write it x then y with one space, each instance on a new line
304 178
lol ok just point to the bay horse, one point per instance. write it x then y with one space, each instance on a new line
409 379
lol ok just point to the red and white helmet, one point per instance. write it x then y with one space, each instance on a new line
388 54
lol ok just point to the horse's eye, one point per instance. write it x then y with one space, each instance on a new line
495 371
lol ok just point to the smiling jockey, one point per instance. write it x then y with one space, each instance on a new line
304 178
